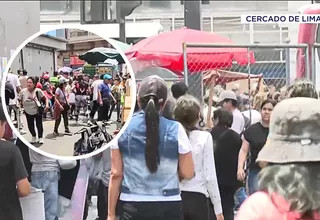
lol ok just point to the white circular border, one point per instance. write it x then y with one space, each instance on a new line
44 30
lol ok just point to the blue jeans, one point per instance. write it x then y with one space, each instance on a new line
239 197
253 178
48 182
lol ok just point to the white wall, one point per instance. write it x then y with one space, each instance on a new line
18 21
37 61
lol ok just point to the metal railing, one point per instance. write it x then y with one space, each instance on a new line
272 65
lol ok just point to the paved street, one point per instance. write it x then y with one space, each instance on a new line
63 144
93 213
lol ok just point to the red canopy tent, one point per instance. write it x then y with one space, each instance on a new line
165 49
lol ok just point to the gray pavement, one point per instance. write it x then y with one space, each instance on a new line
93 212
61 145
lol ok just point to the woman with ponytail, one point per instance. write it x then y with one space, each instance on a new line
147 158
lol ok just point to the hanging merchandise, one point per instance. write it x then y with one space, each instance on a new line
4 62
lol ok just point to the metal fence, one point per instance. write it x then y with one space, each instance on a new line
252 65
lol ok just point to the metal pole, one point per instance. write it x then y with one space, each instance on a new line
307 63
249 82
122 30
185 63
287 54
313 65
192 14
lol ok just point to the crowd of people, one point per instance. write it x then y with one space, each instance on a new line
167 165
63 96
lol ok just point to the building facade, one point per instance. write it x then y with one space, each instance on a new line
14 30
41 55
79 42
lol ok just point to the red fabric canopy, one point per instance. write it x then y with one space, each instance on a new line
165 49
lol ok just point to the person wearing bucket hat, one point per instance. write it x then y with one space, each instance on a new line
145 159
289 185
302 88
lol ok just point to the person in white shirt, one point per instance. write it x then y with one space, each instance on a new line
252 114
13 103
228 100
203 188
94 88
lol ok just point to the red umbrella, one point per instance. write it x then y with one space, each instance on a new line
165 50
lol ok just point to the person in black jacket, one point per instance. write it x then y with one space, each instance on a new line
9 92
227 144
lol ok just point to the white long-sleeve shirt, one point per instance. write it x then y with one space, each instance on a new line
205 179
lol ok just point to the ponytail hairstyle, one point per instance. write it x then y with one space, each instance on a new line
151 107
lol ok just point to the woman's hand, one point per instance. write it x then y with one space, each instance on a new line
61 107
241 174
220 217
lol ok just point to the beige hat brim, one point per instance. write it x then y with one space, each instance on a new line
279 151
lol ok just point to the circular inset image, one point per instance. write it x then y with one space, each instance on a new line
72 92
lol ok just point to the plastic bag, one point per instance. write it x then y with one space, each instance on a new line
33 205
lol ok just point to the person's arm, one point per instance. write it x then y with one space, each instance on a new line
42 96
209 169
99 94
18 84
20 173
113 97
115 181
242 157
186 166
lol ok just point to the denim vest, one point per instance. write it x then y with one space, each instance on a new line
136 177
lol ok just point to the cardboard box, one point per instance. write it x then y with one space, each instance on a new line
126 108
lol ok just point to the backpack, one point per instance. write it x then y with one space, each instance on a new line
247 122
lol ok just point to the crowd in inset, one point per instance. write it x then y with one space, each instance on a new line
63 97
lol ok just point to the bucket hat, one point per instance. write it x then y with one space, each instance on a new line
294 132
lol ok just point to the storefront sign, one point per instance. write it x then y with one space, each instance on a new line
74 60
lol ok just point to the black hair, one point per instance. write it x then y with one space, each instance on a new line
24 72
179 89
55 73
36 79
136 107
234 103
80 78
225 118
101 76
151 107
2 115
33 79
19 71
297 183
268 101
